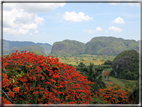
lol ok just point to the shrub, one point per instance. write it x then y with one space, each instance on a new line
113 95
32 79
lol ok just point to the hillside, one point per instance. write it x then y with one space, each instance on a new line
96 46
29 48
126 65
8 45
67 47
109 45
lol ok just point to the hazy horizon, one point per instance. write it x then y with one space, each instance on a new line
65 39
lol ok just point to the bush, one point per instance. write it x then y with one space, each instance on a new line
113 95
93 74
32 79
108 62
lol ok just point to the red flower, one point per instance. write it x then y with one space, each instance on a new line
5 101
21 99
42 78
20 93
28 75
47 83
11 94
25 93
29 66
34 78
16 89
36 92
40 67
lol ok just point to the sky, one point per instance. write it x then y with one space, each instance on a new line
52 22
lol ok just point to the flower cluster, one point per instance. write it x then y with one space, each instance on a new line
32 79
113 95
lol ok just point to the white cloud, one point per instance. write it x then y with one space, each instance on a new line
20 18
39 20
36 31
113 3
89 31
20 21
119 20
15 32
31 34
33 7
32 26
93 31
74 17
115 29
106 31
98 29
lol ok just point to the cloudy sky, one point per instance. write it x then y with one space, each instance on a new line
51 22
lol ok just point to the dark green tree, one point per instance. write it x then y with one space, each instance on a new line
108 62
134 96
126 65
93 74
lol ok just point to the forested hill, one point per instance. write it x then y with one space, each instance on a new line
109 45
68 47
10 45
97 46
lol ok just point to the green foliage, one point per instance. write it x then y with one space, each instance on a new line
126 65
97 46
93 74
109 45
36 52
108 62
35 49
13 49
8 46
67 47
134 97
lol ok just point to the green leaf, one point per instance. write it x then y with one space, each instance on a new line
72 83
42 98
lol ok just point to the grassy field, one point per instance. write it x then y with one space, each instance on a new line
121 82
85 58
97 60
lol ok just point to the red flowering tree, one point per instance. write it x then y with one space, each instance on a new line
32 79
113 95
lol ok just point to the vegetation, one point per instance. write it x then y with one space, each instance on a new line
36 49
93 74
134 97
32 79
8 46
109 45
67 47
113 95
85 58
96 46
126 65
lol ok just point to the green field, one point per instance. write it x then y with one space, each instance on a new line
97 60
130 84
85 58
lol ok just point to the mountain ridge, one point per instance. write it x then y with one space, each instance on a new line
97 45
